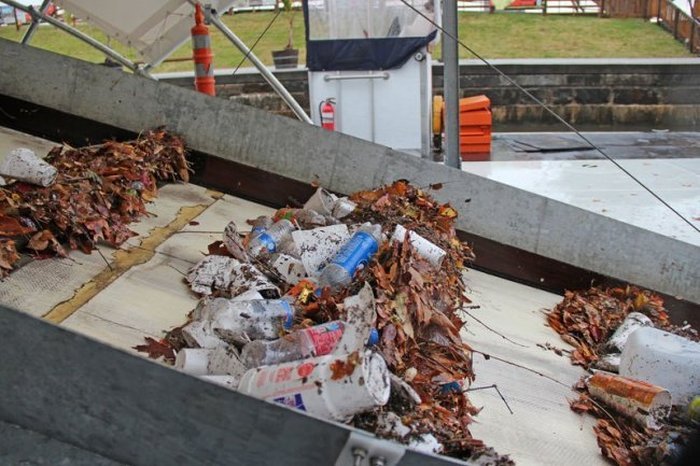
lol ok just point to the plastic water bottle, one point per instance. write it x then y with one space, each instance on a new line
261 224
355 253
242 321
309 342
268 239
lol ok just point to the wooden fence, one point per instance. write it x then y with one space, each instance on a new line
684 27
626 8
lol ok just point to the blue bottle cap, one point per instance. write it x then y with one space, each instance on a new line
450 387
373 337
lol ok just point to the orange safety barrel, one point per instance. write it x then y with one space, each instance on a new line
202 55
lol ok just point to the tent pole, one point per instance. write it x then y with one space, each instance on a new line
36 15
450 59
213 18
35 24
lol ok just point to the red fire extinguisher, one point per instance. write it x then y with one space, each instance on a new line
327 111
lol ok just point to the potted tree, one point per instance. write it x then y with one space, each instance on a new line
289 56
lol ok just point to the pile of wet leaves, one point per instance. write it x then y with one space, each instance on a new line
98 191
417 310
625 442
586 319
417 318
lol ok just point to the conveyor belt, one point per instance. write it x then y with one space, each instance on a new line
141 292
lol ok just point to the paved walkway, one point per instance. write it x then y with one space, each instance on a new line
558 165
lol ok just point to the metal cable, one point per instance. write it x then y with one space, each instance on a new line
554 114
269 25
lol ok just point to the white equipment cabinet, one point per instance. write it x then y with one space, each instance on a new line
372 59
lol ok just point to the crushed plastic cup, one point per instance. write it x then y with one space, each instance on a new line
23 164
322 202
360 316
426 249
233 242
343 207
230 276
332 387
241 321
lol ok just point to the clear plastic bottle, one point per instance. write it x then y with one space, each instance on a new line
268 239
261 224
242 321
309 342
355 253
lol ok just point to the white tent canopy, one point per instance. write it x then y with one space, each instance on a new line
154 28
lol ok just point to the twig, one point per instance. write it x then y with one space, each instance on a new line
495 387
104 258
202 232
488 356
495 331
177 270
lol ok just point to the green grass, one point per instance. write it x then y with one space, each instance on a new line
491 35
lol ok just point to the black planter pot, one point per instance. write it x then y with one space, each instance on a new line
287 58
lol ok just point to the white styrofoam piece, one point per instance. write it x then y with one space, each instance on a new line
24 165
319 245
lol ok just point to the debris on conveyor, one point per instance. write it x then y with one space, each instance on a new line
363 327
587 319
646 372
79 197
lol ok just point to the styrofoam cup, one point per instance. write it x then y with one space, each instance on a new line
310 385
322 202
423 247
193 361
24 165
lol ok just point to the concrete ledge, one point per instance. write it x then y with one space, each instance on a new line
345 164
19 446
